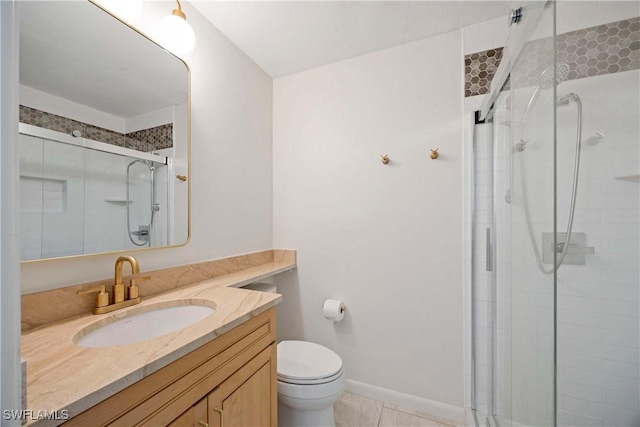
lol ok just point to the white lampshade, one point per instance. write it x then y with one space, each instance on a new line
177 36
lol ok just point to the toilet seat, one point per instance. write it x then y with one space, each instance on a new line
307 363
301 381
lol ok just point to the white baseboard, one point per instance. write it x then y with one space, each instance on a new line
408 402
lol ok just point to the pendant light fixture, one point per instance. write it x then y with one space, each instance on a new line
176 33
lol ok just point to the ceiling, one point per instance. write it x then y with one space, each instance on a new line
64 52
285 37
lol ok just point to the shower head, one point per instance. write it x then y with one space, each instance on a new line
547 79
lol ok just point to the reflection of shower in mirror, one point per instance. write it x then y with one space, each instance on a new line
143 233
101 196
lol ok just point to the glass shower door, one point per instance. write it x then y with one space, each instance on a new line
564 346
598 305
524 221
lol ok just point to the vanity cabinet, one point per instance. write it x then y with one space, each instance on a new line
232 377
194 416
250 387
243 399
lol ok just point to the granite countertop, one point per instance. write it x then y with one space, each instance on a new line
63 376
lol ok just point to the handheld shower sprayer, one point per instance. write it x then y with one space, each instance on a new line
547 81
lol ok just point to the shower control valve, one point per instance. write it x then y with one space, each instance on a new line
142 233
575 252
575 249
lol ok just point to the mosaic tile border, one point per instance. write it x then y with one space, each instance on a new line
151 139
479 69
603 49
147 140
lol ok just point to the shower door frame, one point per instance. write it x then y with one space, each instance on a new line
490 267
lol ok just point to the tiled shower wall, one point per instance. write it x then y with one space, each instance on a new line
147 140
598 303
73 200
593 51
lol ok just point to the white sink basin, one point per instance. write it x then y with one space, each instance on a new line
142 326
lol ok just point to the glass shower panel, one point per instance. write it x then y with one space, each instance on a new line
598 299
527 209
31 197
105 191
63 200
502 198
562 318
482 274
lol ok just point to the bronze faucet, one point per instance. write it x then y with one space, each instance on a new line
118 286
121 298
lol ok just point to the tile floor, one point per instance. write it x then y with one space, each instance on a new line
352 410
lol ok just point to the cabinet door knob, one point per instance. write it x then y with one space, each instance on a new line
203 424
221 412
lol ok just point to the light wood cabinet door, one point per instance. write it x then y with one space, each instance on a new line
196 416
247 398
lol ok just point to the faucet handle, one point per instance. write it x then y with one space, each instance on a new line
133 288
102 297
137 277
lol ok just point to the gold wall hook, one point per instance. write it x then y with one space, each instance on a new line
434 153
182 178
384 159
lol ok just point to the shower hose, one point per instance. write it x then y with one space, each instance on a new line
576 171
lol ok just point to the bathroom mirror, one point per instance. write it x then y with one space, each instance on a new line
104 135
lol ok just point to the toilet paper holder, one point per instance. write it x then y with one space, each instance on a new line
342 309
333 309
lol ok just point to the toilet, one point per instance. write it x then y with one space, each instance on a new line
310 380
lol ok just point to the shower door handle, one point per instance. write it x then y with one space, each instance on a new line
489 250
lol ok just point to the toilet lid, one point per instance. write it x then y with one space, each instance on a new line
304 362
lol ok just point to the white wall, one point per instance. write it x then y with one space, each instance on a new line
231 162
385 239
149 120
44 101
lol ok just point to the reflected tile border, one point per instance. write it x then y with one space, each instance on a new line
146 140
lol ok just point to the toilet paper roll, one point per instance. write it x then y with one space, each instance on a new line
333 309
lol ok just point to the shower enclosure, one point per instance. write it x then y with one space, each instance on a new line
555 222
80 196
